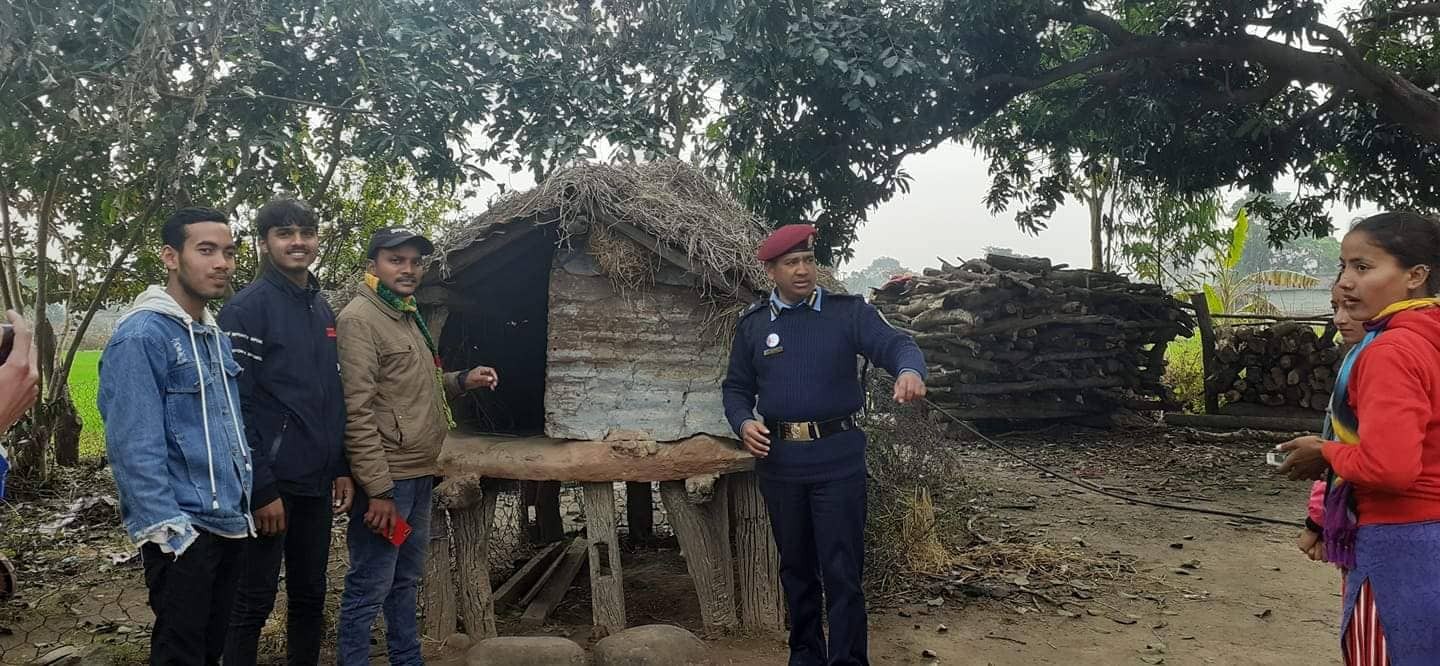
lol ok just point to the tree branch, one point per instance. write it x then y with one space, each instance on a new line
1422 10
335 157
1092 19
137 233
7 263
43 335
1246 96
235 98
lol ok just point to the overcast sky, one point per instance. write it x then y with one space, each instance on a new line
944 216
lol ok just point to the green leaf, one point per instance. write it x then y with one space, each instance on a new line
1282 279
1238 236
890 62
1212 300
821 55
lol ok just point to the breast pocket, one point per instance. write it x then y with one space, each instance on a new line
185 425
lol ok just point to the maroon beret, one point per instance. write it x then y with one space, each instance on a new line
787 239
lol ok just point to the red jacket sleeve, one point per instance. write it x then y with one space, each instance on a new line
1391 395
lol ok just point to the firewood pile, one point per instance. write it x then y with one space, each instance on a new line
1016 338
1287 364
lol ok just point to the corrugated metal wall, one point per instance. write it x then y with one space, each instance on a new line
641 360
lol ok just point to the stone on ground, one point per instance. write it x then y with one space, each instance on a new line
526 651
650 645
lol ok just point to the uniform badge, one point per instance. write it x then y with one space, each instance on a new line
772 340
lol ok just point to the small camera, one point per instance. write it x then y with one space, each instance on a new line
1275 458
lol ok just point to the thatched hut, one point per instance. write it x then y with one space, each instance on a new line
605 297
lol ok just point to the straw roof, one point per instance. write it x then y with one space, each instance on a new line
635 213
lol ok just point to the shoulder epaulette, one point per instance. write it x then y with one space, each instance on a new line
754 307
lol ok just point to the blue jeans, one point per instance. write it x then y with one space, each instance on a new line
384 577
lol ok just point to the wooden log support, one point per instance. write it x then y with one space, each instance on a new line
540 511
704 534
607 593
555 586
1227 422
472 511
762 609
1208 363
528 576
438 585
640 510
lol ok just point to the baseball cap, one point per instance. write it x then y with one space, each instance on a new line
392 237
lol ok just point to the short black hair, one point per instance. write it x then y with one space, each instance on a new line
285 212
173 233
1413 239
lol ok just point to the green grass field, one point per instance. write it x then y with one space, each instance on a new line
84 386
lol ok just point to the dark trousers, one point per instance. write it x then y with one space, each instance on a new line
820 531
384 578
191 597
305 549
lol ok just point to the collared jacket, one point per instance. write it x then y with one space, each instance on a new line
798 363
395 421
284 338
173 430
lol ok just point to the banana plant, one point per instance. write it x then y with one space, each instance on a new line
1227 290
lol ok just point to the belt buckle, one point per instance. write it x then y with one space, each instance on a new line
798 432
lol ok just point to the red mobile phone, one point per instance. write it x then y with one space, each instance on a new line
400 532
7 341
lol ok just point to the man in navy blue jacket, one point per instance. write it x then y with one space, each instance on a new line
794 360
283 334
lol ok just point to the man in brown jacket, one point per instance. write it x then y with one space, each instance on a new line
397 417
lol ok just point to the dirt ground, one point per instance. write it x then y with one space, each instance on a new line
1058 575
1185 588
1206 590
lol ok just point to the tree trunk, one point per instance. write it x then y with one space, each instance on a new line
704 534
1097 233
65 427
12 277
438 586
761 607
640 510
472 511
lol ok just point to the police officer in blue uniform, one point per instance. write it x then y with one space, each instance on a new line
794 362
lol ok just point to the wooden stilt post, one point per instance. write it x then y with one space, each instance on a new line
438 586
1208 364
704 533
640 510
541 511
472 511
607 594
762 608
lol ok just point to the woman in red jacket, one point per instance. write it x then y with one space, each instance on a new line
1382 509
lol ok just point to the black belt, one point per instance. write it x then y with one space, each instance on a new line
807 431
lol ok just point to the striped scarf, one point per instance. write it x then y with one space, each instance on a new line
1343 425
407 306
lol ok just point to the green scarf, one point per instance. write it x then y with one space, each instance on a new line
407 306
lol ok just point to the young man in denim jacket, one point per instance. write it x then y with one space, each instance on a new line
176 443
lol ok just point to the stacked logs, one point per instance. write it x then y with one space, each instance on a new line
1016 338
1281 365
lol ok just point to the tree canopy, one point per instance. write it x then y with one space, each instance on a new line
821 100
